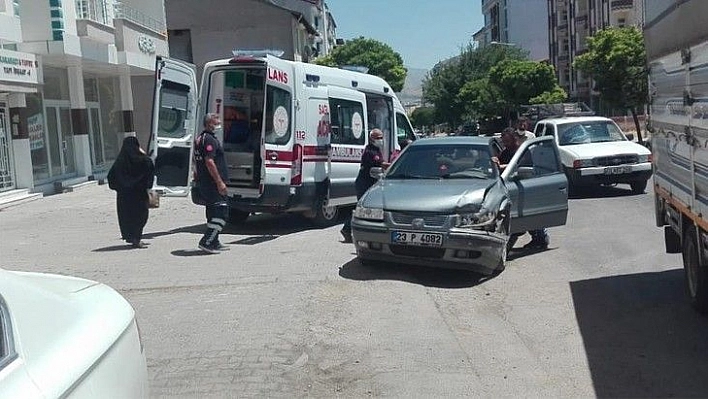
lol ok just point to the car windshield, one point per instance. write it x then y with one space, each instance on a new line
444 161
589 132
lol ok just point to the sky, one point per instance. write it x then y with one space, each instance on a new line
424 32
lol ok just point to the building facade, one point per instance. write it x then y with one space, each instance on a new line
570 23
68 101
317 14
203 31
521 23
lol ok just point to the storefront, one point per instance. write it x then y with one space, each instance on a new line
20 74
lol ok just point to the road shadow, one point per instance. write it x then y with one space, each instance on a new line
193 229
520 252
602 192
425 276
190 252
641 336
113 248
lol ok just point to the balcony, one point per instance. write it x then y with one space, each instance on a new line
581 19
621 5
125 12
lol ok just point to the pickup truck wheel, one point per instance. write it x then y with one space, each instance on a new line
324 215
238 217
638 187
696 272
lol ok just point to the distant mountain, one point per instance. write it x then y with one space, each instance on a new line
413 86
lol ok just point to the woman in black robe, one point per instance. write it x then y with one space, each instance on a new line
131 176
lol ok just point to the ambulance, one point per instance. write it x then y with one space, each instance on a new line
293 132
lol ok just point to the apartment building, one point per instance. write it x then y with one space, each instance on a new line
211 29
570 23
521 23
70 71
318 15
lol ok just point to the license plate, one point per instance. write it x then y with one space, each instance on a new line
618 170
417 238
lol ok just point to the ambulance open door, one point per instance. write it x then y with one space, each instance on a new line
174 124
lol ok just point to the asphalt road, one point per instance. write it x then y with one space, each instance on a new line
289 312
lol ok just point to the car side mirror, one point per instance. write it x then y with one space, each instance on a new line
630 136
376 173
524 172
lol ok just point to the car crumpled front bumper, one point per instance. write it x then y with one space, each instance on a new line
466 249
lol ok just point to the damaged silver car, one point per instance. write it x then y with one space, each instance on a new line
444 203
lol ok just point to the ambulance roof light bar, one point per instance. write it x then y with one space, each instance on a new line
253 55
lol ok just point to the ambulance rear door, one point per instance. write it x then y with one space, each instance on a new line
282 159
173 125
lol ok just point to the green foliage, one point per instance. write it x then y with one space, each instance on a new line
520 81
555 96
379 57
480 99
422 117
443 85
616 60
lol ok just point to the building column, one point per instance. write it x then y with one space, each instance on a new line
126 105
22 155
80 122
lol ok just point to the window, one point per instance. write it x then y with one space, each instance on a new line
459 161
7 347
347 122
550 130
589 132
542 158
173 111
621 22
380 113
539 129
278 121
404 132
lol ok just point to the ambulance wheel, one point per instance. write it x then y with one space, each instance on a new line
324 215
238 217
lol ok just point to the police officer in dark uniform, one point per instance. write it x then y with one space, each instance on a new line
211 175
372 157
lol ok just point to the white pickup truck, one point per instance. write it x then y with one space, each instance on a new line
594 151
677 50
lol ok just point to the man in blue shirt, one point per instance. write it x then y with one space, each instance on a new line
211 175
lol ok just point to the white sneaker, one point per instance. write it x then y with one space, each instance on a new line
208 250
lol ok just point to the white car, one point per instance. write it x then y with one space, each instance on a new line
65 337
595 151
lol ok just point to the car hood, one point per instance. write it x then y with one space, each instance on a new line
593 150
443 196
62 323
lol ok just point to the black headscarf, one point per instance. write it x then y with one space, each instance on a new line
132 169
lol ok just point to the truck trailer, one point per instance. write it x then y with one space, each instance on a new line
676 39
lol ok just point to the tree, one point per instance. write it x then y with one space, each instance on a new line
480 99
442 87
616 60
379 57
523 82
423 117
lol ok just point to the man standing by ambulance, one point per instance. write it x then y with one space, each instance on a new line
211 175
372 157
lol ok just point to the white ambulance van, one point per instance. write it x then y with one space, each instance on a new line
293 132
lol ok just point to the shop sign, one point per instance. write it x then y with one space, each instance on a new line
35 128
18 67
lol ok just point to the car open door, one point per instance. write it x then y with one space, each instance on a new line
173 125
537 186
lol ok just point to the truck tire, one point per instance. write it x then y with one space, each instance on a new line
638 187
237 217
696 272
324 215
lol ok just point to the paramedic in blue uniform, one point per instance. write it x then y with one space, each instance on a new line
372 157
212 173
